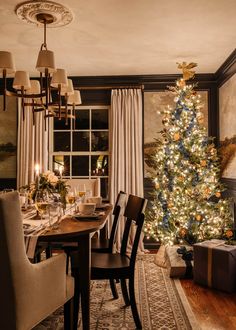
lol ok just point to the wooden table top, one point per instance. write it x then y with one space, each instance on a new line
70 227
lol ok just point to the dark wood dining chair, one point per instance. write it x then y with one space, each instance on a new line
99 245
118 265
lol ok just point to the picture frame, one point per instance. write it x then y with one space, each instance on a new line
8 140
155 102
227 128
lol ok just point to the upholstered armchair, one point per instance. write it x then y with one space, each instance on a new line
29 292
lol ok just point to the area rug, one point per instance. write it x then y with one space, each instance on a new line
161 302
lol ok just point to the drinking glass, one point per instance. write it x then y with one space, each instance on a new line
54 210
41 203
23 200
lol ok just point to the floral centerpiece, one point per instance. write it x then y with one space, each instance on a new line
49 183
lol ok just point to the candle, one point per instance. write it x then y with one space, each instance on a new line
61 169
37 168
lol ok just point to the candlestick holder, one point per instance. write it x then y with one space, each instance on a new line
36 216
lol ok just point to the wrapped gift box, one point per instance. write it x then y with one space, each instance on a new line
175 265
215 265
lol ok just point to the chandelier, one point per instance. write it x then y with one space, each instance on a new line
52 92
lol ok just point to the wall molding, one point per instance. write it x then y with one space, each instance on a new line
226 70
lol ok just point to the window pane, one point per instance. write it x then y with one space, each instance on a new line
99 165
80 165
61 160
100 119
104 188
61 141
61 124
99 141
82 119
80 141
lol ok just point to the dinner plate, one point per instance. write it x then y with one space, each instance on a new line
102 206
93 216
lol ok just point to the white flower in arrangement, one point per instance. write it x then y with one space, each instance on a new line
47 173
52 178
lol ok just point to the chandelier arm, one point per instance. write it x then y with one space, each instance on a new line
26 96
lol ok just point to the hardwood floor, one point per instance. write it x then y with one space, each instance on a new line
213 309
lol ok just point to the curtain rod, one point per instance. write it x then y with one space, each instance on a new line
109 87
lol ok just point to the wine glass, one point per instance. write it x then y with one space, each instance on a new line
55 211
81 191
71 198
41 202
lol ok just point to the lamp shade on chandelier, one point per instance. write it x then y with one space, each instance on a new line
37 93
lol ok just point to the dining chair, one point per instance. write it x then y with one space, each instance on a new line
29 292
118 265
93 185
105 245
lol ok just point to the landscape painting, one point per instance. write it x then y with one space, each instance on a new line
153 103
8 139
227 108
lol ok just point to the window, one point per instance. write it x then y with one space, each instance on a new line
82 146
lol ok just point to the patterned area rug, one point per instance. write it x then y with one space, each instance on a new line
161 302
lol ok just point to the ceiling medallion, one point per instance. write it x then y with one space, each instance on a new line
32 11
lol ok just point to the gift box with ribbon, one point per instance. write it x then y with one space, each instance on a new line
215 265
179 261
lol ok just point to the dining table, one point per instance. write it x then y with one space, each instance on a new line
80 230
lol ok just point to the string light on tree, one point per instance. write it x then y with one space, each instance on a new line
187 205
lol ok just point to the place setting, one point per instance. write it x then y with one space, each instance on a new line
85 208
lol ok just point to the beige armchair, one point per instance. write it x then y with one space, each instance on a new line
29 292
91 184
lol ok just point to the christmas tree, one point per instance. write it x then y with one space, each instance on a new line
187 205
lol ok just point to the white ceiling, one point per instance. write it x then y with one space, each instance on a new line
126 37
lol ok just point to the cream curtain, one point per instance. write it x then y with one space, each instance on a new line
126 146
32 145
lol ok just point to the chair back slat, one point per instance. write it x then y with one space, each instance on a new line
117 212
134 213
134 207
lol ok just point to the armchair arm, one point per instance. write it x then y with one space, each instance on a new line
42 290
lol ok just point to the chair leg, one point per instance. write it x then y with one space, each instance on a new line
133 304
68 315
125 292
37 258
67 261
76 300
48 251
113 288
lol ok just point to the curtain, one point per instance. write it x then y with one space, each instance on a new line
32 145
126 146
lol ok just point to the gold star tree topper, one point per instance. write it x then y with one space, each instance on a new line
186 69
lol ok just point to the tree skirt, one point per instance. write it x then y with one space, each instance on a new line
161 302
